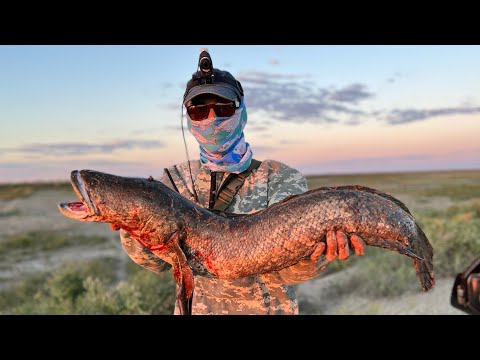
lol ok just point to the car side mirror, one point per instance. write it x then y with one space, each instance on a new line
466 290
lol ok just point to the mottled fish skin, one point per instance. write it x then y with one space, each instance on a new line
227 246
290 229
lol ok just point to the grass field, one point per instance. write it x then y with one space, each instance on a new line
53 265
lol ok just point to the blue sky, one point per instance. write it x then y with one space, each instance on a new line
321 109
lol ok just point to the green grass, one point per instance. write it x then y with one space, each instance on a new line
91 288
457 184
381 273
21 190
454 191
9 213
32 242
157 290
66 282
455 236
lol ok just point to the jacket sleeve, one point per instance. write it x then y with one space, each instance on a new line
302 271
140 254
283 182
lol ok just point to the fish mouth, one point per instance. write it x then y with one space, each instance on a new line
83 209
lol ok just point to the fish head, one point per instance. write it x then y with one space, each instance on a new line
86 209
125 202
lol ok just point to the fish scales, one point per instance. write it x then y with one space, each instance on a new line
280 235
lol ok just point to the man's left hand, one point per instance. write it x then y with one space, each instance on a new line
337 245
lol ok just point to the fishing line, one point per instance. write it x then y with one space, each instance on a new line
199 67
186 151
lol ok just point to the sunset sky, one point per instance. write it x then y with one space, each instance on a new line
320 109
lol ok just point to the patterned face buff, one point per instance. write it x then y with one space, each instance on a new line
222 142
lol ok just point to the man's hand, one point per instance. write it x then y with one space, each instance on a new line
338 247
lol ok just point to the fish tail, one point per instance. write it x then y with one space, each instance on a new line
420 251
424 267
424 274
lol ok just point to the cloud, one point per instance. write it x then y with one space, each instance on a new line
293 97
147 131
402 116
456 160
259 150
167 85
352 94
396 76
260 77
66 149
296 98
353 122
175 106
176 128
288 142
60 170
258 128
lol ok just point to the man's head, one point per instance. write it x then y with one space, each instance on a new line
217 116
221 84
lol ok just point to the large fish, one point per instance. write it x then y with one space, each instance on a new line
197 241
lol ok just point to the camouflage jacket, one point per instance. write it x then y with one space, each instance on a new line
270 293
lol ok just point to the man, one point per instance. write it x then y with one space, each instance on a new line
216 117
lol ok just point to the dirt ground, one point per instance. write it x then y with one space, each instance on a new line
318 296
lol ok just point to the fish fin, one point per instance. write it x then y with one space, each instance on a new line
424 267
182 273
365 189
421 252
185 305
425 274
386 196
409 252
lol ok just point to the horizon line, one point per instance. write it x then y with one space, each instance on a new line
346 174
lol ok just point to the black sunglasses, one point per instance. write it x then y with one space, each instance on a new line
200 112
